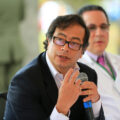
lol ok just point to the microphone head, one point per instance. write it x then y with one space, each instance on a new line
83 77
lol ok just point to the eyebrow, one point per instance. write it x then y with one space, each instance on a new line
95 24
76 38
62 35
73 38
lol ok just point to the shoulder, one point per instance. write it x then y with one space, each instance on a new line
29 68
32 67
30 74
28 80
113 56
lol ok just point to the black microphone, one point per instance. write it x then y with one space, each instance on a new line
87 105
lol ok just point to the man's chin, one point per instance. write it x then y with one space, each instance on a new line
99 52
64 66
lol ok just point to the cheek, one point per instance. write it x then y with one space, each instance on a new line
77 55
107 37
106 43
50 48
92 35
80 53
91 41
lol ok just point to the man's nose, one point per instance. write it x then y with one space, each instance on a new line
65 47
99 31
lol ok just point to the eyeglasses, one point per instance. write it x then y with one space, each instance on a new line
103 27
61 42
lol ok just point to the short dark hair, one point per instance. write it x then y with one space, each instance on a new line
90 8
63 22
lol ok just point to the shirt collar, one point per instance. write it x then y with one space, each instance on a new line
93 56
54 72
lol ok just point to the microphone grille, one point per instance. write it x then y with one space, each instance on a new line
83 77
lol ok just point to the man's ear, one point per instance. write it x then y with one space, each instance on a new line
81 53
83 50
47 40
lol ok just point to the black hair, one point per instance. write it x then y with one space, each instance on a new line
91 8
63 22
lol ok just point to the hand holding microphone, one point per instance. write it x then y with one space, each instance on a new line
70 90
89 90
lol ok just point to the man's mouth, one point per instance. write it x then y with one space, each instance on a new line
99 42
64 57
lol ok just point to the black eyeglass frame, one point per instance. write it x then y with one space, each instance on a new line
68 42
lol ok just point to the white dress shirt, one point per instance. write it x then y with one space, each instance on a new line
58 77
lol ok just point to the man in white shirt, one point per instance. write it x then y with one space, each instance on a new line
48 88
105 64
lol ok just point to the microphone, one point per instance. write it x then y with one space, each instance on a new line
87 105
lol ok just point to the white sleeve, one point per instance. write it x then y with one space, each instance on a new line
96 108
55 115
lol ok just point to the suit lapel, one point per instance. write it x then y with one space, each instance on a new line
51 87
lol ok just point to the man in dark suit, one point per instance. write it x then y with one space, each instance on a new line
47 88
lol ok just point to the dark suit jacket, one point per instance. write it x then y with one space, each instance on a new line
33 93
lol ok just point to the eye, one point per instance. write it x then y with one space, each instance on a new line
74 43
92 27
59 41
104 27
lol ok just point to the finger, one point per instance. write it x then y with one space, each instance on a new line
87 92
74 76
92 98
78 82
88 85
96 98
68 75
88 98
